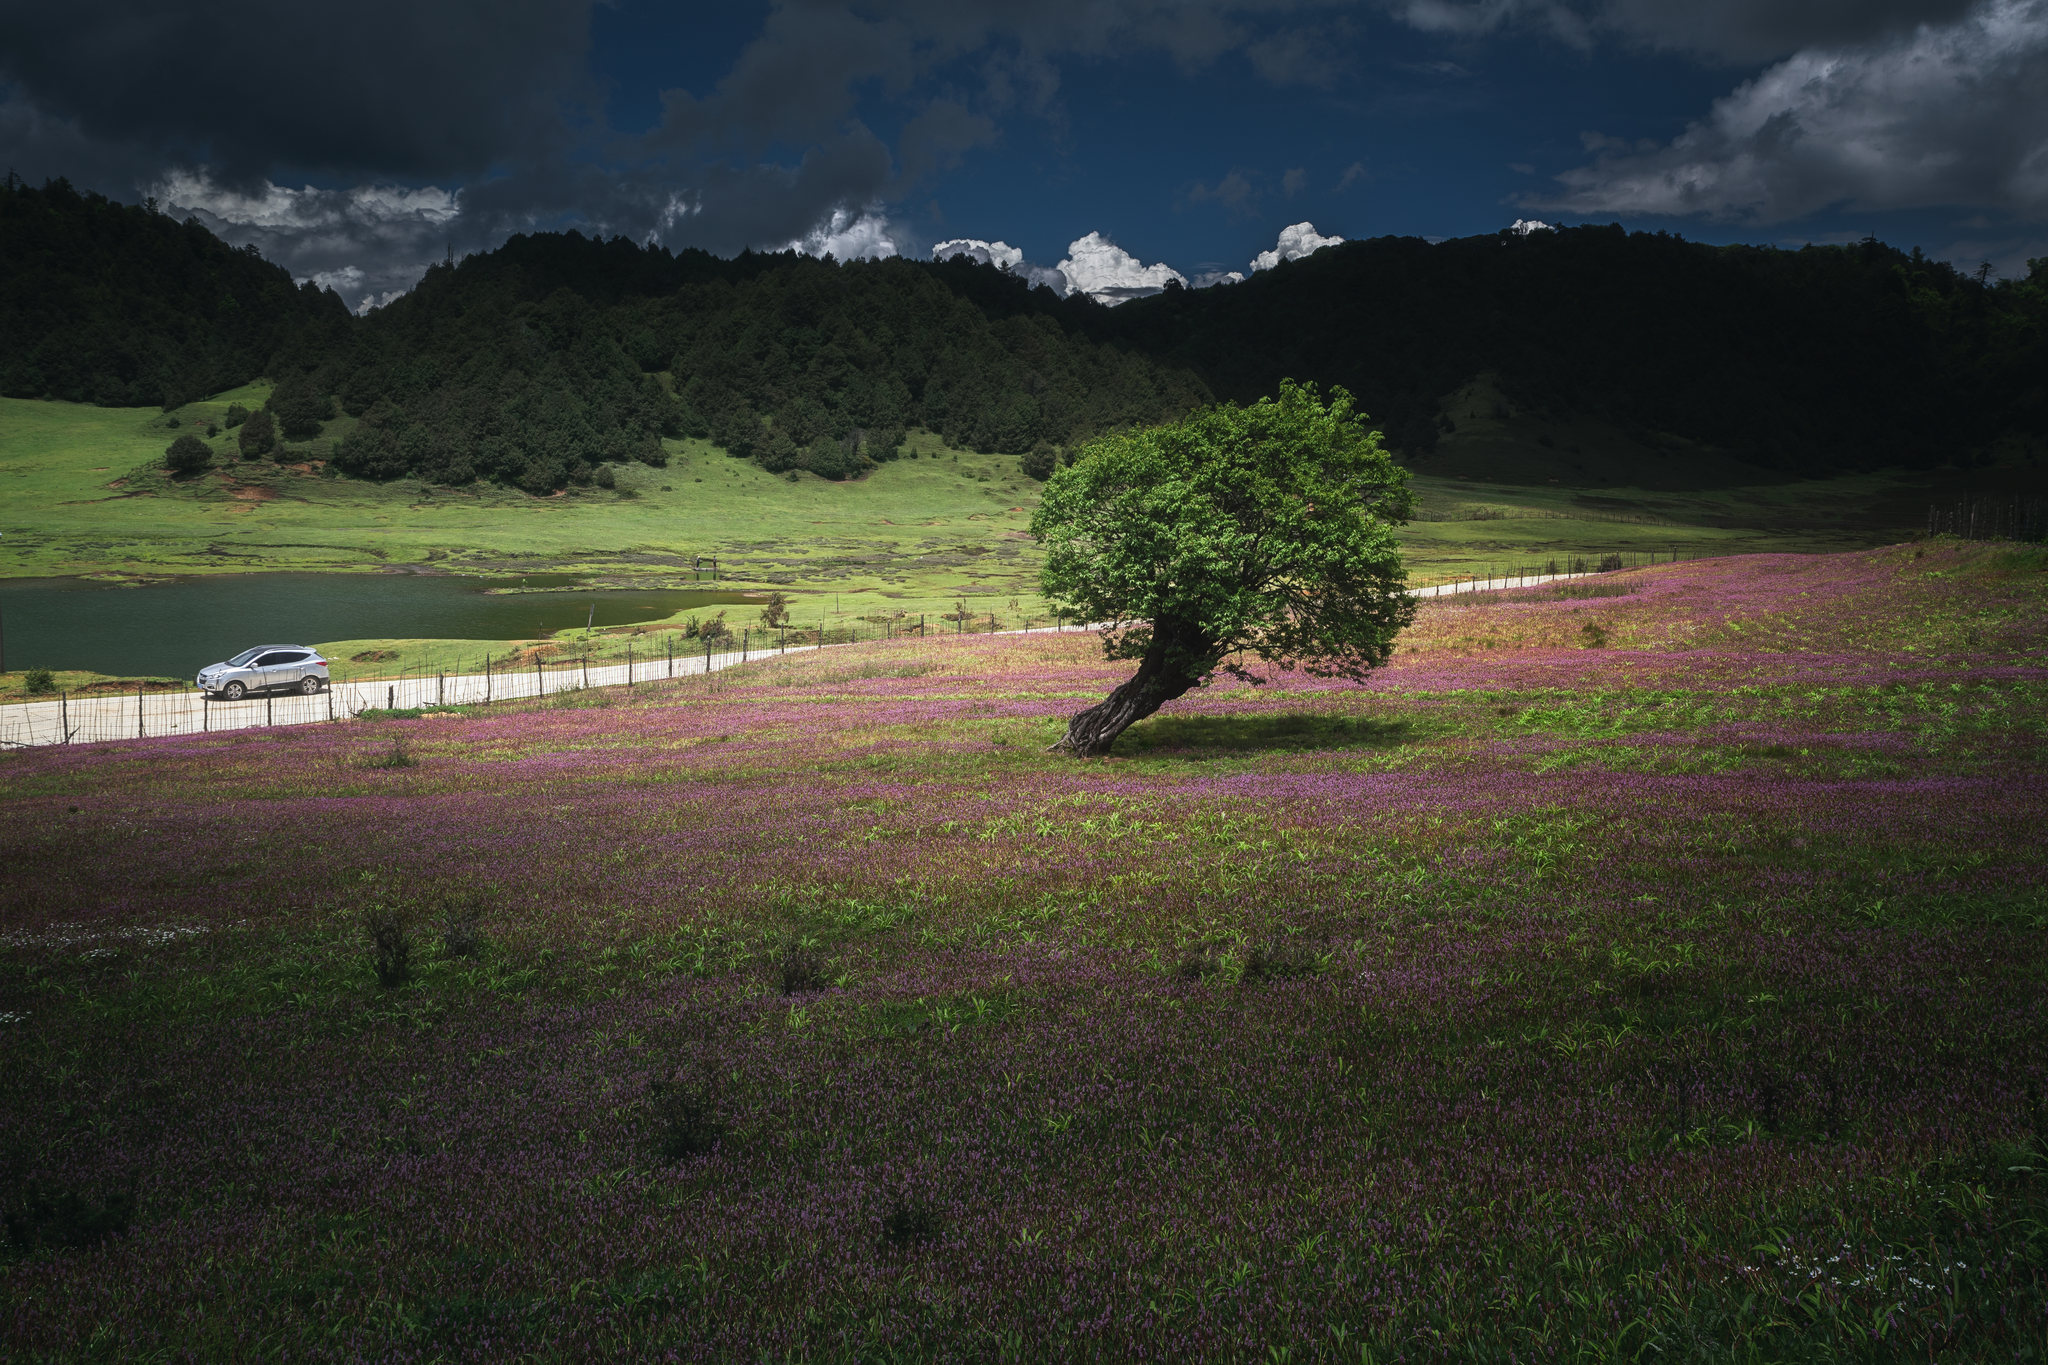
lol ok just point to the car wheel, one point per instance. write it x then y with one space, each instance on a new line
234 691
311 686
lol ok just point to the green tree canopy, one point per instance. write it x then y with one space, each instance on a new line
188 455
259 434
1265 530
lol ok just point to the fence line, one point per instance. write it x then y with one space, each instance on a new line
141 713
1987 518
1552 514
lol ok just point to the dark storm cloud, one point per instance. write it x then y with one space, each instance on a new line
1943 115
389 88
1757 30
1726 30
449 125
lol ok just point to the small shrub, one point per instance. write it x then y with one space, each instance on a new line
687 1122
604 478
188 455
713 629
390 931
237 414
38 681
1609 563
1593 635
776 613
802 970
908 1222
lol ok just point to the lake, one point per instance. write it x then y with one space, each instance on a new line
178 627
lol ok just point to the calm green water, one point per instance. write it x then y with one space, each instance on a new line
177 628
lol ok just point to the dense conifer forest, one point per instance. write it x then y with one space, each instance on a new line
124 306
556 356
1824 358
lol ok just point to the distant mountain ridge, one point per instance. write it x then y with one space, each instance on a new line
1829 357
1587 353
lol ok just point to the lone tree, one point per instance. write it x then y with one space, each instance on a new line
1265 530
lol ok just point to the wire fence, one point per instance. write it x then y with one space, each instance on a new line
627 658
1990 518
1497 577
1618 518
145 710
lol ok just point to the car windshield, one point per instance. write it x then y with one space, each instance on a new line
244 657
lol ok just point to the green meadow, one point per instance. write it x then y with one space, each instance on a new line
931 533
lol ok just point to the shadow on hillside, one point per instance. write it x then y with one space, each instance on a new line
1205 736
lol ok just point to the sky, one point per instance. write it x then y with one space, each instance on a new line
1104 145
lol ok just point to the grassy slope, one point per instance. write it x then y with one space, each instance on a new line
916 537
1679 997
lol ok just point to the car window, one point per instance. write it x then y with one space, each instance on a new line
244 657
272 659
288 657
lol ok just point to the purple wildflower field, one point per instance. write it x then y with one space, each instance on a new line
1643 967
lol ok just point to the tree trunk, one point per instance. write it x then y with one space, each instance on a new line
1165 673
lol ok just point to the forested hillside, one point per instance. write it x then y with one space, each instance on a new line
1851 357
124 307
537 362
548 359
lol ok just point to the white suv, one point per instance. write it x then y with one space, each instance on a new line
266 668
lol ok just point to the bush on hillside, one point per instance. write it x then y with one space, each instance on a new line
299 408
237 414
188 455
259 434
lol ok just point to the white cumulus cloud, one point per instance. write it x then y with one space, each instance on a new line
999 254
1522 227
1104 271
1003 256
1946 113
369 243
1214 277
1296 241
848 236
